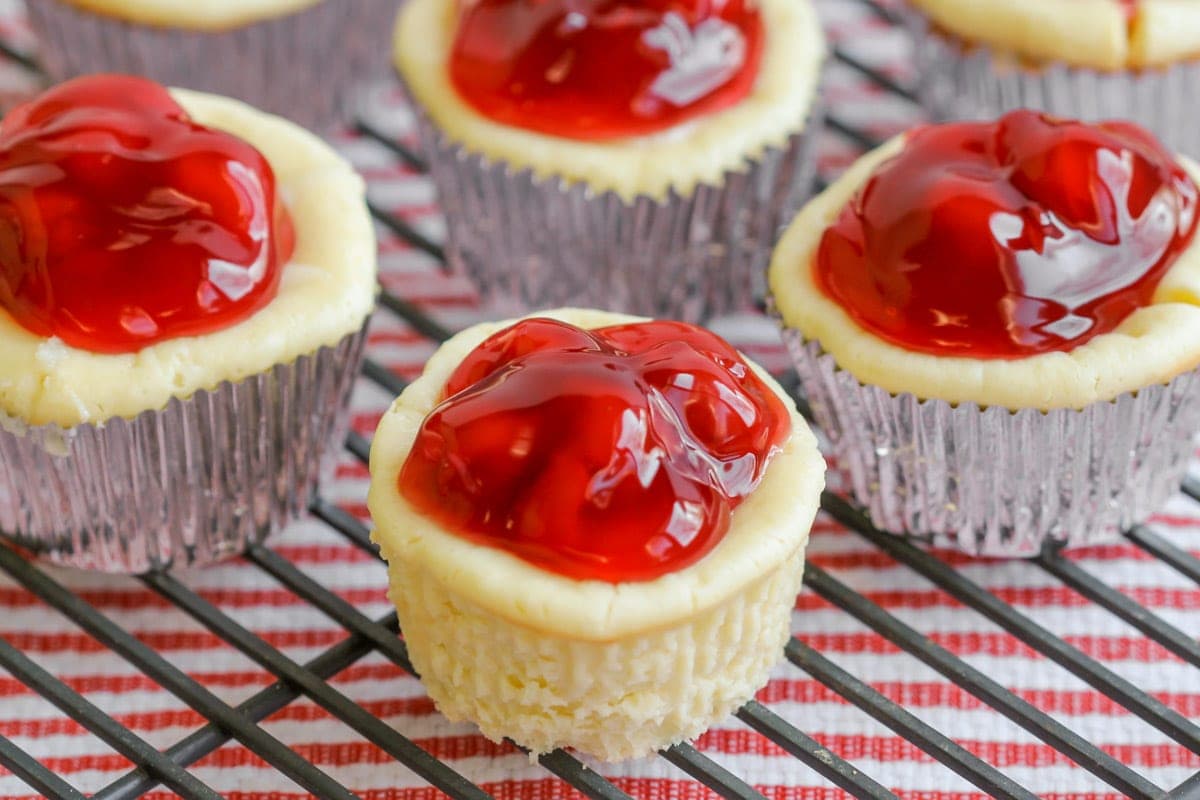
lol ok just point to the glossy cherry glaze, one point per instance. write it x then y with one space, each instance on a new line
615 454
1010 238
605 69
124 223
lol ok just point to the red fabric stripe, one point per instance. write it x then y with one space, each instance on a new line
356 509
367 420
885 749
873 559
998 754
935 695
744 742
398 334
911 695
166 640
351 469
323 553
878 560
231 597
1105 648
116 684
1175 521
645 788
1035 597
187 718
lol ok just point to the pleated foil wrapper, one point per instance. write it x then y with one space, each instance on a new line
304 65
963 80
995 482
193 483
529 243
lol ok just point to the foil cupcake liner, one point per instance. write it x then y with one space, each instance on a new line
962 80
301 65
193 483
996 482
528 243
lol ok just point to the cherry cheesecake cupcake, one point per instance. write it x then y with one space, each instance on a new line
1087 59
297 58
184 288
633 156
997 325
595 528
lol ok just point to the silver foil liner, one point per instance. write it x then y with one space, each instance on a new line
193 483
992 481
961 80
528 244
301 65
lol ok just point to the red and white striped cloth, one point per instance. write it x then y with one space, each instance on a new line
299 630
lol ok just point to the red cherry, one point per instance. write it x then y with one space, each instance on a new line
604 69
615 454
1007 239
123 223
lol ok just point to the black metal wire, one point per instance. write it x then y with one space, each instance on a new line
383 376
864 140
1188 790
37 776
941 747
1121 605
421 322
334 607
409 233
170 677
105 728
358 446
398 148
970 594
591 783
387 643
883 81
883 12
710 773
791 739
1040 724
344 523
261 705
1181 560
436 772
26 60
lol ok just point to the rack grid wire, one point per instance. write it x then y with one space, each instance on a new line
155 769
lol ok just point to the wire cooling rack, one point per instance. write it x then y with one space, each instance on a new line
155 769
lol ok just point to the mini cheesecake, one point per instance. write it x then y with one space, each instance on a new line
634 156
1094 59
996 323
595 528
183 300
301 59
1100 34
